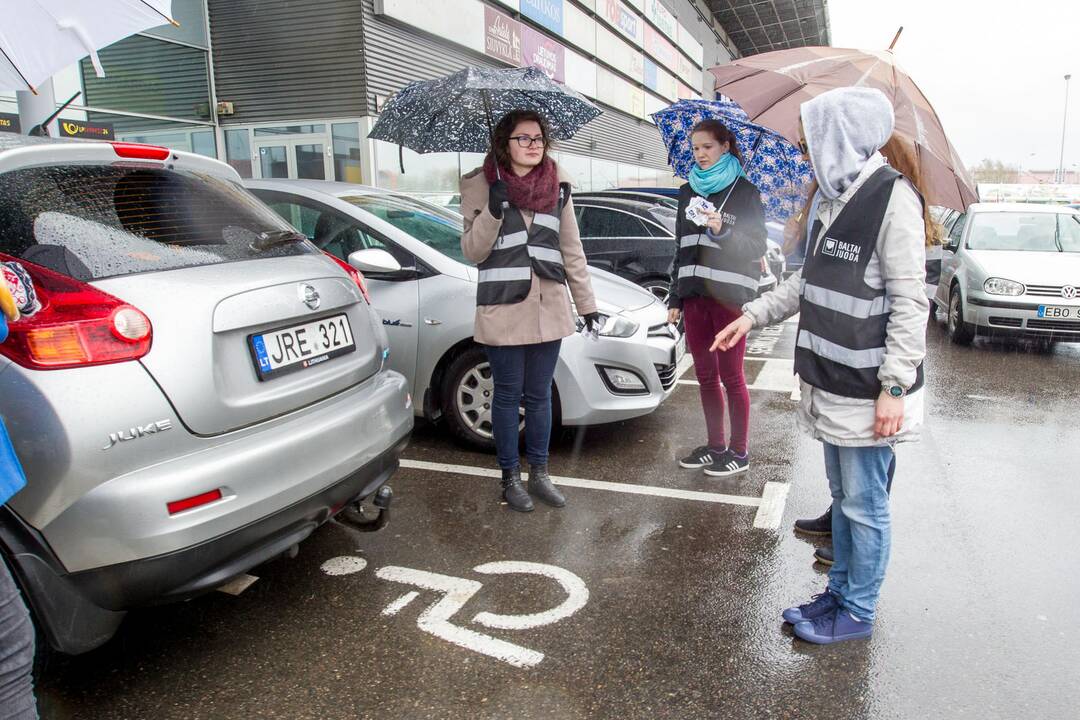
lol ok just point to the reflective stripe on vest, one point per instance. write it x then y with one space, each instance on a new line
549 255
700 239
513 239
847 304
506 274
859 359
720 276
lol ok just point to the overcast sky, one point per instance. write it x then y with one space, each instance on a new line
994 70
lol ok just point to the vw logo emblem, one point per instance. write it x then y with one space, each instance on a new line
309 296
1068 292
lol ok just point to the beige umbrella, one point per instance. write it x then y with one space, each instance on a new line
770 87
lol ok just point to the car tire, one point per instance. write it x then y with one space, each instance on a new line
466 408
960 332
660 288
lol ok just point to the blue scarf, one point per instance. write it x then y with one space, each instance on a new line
722 173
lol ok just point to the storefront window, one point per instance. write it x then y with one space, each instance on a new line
203 143
628 175
238 151
578 169
347 152
431 172
185 139
605 174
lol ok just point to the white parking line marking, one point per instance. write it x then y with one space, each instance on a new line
771 510
398 605
684 365
344 565
776 376
577 594
593 484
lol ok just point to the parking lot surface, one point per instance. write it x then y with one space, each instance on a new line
656 592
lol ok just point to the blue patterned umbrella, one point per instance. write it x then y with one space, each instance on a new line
772 163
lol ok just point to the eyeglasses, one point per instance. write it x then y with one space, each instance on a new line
526 141
804 147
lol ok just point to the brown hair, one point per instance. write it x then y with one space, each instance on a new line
500 137
720 133
901 156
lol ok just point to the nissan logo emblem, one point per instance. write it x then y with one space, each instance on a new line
1068 292
309 296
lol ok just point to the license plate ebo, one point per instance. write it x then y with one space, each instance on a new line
1059 312
301 346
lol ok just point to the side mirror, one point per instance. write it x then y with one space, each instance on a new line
374 261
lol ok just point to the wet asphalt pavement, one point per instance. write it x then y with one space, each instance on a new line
684 594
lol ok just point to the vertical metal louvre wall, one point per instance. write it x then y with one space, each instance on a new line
288 59
396 55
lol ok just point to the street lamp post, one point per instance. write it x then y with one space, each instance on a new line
1064 125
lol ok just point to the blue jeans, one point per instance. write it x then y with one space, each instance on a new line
522 374
861 525
16 652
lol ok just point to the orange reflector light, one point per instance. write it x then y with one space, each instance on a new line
58 345
194 501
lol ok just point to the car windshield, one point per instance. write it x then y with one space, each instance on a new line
436 227
1030 232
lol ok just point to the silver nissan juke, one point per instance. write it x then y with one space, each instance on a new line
200 389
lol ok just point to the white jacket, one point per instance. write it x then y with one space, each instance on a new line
899 265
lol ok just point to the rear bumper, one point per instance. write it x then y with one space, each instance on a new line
80 611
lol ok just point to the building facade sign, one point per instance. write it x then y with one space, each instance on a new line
80 129
622 18
547 13
9 123
502 36
541 51
661 17
658 46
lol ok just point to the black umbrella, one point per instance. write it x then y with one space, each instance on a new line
458 112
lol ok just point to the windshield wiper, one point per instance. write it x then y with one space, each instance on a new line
273 238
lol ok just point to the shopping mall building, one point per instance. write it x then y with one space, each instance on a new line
290 88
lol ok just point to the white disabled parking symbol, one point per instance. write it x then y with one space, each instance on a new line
457 591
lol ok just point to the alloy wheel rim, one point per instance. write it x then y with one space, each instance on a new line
658 290
474 396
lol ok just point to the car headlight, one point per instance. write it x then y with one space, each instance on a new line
613 326
1001 286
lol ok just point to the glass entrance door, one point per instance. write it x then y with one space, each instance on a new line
304 158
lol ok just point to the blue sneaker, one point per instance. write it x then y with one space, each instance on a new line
837 626
820 605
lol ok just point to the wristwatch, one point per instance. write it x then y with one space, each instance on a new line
895 391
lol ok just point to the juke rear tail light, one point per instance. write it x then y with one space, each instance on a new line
355 274
77 325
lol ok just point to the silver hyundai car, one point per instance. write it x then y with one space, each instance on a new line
1012 269
409 250
200 390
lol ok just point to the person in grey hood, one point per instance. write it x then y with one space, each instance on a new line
860 344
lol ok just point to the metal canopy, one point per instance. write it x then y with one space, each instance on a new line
757 26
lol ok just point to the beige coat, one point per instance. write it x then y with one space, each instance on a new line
544 315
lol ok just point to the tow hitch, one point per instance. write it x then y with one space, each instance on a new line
357 515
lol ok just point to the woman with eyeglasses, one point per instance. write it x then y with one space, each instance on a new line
521 232
716 270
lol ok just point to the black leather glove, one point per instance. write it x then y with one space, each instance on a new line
498 194
592 320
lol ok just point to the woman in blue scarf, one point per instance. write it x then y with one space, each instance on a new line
716 271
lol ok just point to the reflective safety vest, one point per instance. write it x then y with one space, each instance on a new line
843 321
506 274
705 267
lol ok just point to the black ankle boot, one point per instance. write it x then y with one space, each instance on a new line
514 492
541 487
816 526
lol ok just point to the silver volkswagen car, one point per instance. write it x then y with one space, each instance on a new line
199 391
1012 269
409 251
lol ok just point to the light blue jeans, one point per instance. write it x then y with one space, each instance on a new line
861 525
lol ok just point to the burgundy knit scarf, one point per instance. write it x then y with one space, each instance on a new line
538 190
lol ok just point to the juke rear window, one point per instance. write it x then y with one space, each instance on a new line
98 221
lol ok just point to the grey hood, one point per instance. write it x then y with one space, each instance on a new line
843 128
